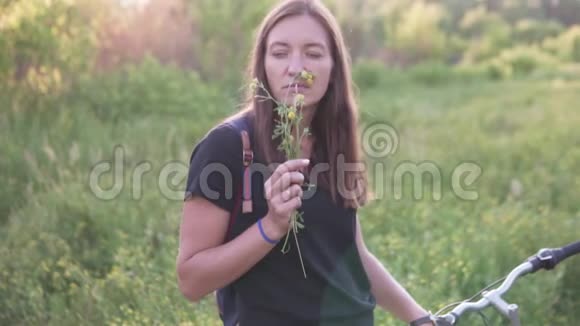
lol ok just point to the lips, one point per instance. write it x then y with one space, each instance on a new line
298 86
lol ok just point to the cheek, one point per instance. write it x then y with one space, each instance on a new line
269 71
276 76
321 82
271 74
272 68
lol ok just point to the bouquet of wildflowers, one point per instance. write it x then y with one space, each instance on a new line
288 129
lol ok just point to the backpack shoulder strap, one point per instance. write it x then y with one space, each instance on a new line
226 297
248 157
242 126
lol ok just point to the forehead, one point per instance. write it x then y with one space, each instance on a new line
298 30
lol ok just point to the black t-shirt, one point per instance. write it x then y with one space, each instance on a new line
274 291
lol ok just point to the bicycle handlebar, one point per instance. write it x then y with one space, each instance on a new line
549 258
546 258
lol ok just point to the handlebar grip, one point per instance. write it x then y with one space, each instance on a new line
549 258
567 251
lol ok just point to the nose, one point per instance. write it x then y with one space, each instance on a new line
295 66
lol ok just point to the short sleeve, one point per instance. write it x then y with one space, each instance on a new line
215 167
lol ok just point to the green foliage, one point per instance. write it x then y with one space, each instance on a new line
68 257
368 73
222 25
519 61
419 33
373 74
507 129
479 21
566 45
488 32
431 73
533 31
42 42
144 88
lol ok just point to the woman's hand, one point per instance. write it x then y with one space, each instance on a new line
284 195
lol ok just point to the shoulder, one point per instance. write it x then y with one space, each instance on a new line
221 134
221 144
227 131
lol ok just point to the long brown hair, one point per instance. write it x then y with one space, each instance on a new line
335 122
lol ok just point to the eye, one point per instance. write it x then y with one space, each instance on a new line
314 55
279 54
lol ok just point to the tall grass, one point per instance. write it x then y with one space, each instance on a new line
69 258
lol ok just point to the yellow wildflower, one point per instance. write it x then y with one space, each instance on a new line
299 99
305 75
308 77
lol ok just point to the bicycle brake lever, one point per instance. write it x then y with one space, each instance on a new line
543 259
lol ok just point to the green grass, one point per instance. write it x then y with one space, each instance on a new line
516 131
68 258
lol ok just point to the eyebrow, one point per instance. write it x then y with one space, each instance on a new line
309 44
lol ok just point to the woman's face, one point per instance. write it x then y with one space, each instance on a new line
294 44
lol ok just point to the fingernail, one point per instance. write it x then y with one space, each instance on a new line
306 161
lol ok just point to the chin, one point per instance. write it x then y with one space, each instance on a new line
309 105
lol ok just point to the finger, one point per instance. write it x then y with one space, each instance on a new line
288 166
290 205
287 180
292 191
268 189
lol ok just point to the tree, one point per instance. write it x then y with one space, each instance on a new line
43 42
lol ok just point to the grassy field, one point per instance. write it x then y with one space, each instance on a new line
69 258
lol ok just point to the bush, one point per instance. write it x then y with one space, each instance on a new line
368 74
478 21
145 88
431 73
519 61
488 32
470 73
566 46
44 43
434 73
419 33
533 31
496 70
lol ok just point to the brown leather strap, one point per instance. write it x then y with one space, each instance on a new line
248 154
248 157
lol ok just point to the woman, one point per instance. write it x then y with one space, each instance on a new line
344 280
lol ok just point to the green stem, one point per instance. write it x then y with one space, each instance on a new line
292 151
300 255
284 250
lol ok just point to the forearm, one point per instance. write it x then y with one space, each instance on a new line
216 267
390 295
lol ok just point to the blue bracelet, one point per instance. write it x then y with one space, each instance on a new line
264 233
